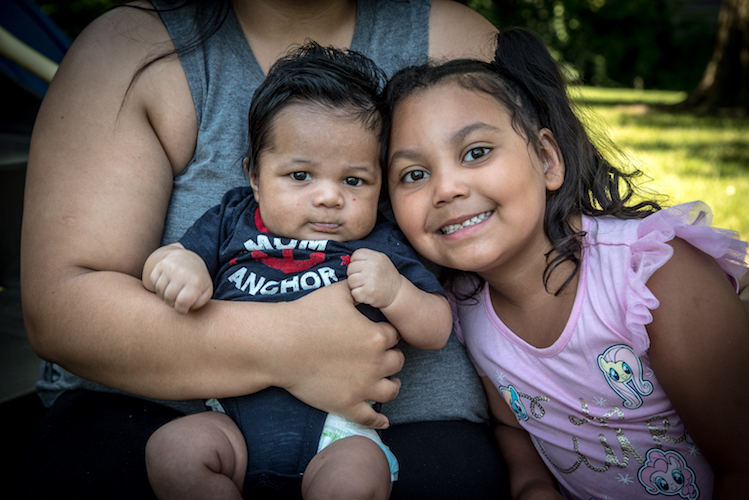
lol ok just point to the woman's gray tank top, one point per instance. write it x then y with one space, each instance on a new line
223 74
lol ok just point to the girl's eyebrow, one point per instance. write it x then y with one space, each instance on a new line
461 134
405 154
457 138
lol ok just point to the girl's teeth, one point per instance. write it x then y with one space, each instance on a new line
470 222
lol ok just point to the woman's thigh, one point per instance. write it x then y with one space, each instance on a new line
92 445
447 460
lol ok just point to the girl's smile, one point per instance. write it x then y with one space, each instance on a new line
451 228
466 188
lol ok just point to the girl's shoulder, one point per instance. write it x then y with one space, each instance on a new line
647 239
621 256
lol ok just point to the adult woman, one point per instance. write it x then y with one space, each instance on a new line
121 157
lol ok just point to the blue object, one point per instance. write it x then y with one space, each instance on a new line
27 22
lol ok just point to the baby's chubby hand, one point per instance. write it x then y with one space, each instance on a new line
179 277
373 279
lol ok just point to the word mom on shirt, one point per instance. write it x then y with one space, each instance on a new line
274 258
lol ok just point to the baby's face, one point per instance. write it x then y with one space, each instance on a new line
321 178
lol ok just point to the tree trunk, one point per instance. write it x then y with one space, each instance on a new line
724 88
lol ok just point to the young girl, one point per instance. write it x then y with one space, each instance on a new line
607 331
309 219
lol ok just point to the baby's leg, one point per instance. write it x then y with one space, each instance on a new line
350 468
198 456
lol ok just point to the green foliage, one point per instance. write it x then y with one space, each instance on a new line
615 43
622 43
74 15
687 157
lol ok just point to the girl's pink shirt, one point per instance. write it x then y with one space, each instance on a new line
603 437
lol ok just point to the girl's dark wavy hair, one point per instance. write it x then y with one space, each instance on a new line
343 81
530 84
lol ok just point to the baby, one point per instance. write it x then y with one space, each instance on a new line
308 219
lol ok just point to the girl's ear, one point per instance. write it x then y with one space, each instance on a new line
553 162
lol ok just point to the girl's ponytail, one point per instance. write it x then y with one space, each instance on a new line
521 57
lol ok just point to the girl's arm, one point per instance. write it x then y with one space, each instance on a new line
744 291
699 348
98 184
423 319
530 479
179 277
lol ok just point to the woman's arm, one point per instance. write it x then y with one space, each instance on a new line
98 184
457 31
699 345
530 479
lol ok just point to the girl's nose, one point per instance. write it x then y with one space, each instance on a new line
328 195
449 185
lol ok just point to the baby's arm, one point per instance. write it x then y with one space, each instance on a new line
529 476
699 348
179 277
423 319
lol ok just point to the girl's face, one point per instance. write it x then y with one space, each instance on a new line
467 190
320 178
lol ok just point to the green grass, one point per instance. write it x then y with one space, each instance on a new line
685 157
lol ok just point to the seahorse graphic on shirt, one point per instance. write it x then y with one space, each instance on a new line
623 372
512 398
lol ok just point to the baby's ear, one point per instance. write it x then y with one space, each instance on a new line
253 178
552 160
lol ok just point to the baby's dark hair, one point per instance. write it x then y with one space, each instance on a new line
530 84
344 81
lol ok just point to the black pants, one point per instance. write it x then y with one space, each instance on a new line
92 445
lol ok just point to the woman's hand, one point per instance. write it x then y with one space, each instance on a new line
340 370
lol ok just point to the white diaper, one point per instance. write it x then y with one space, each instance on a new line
337 427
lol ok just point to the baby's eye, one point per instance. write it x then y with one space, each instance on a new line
353 181
300 176
414 176
475 154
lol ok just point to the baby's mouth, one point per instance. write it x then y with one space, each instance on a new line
326 226
451 228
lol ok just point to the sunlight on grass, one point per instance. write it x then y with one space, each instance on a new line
687 157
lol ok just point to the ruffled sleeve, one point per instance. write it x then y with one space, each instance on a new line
690 222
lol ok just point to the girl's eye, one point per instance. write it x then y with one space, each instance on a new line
414 176
353 181
300 176
475 154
